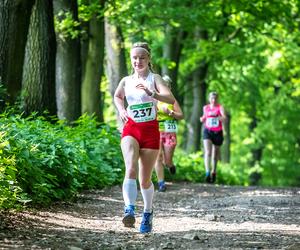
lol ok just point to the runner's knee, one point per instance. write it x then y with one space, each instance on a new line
145 184
131 171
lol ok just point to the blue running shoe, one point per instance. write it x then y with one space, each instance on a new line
146 224
129 218
162 186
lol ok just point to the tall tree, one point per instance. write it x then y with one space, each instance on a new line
115 55
15 17
92 102
193 123
68 63
39 67
5 8
198 89
171 52
116 67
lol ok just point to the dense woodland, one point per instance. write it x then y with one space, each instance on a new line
61 60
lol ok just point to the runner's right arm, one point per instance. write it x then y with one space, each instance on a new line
119 100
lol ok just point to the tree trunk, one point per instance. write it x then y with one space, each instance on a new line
199 92
225 149
115 57
84 42
39 65
5 11
91 96
18 30
68 71
14 23
255 176
193 123
172 51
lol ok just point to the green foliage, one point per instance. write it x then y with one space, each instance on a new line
100 147
43 162
3 96
86 10
66 26
10 192
188 167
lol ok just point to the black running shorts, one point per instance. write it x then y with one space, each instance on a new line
215 136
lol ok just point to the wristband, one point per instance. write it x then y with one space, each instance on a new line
171 113
152 94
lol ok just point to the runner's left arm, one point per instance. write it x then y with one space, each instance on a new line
223 117
176 112
163 94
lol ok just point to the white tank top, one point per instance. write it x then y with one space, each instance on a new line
141 106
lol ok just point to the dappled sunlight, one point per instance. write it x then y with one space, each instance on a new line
193 215
188 224
61 221
269 193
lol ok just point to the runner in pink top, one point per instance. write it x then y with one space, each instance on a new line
213 116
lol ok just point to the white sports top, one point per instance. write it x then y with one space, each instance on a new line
141 107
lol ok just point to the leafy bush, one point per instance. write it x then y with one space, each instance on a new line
42 161
10 192
188 166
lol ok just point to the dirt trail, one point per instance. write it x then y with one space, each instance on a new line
187 216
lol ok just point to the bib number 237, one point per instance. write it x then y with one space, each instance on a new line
142 112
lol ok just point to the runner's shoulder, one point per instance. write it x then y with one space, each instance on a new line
124 80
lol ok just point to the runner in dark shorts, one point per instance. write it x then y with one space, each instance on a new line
215 136
213 117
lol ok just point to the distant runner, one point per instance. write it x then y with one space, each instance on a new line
167 117
213 117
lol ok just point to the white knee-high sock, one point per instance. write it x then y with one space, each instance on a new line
148 198
129 191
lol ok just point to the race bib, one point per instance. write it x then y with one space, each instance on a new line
170 126
143 112
212 122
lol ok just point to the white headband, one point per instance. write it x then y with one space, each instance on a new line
138 47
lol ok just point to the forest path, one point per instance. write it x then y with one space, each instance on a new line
187 216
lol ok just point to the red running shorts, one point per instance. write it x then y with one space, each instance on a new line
146 133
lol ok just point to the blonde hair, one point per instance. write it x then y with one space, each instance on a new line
146 48
167 81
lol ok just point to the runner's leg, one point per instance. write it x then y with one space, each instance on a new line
130 149
169 148
215 157
168 154
159 168
147 162
207 154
